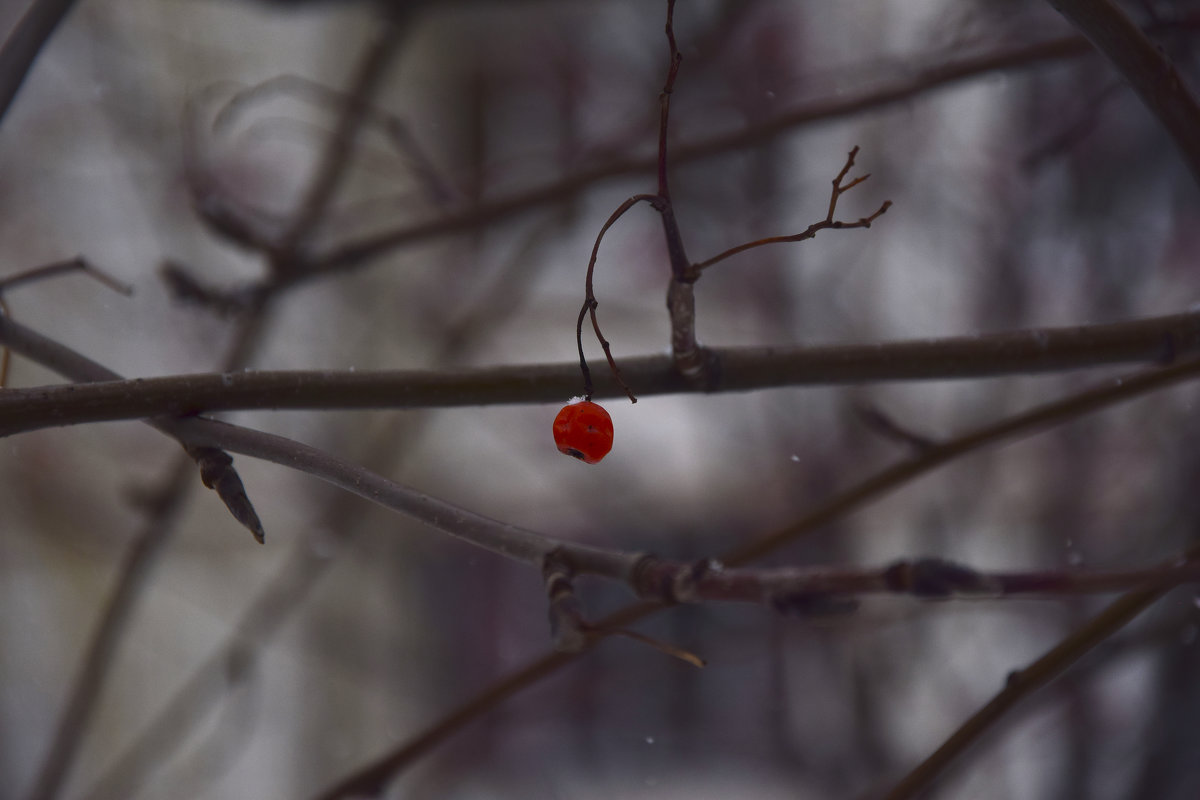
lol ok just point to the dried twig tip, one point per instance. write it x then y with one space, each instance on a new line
218 474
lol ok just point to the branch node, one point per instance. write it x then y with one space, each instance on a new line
568 629
939 579
683 586
653 579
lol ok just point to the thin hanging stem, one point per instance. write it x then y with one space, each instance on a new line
590 303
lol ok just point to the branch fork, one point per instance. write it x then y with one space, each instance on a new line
696 365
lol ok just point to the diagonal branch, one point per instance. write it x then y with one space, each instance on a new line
1146 67
200 434
829 223
22 46
1024 682
338 150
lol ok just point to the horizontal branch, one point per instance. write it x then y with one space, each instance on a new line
800 588
1153 340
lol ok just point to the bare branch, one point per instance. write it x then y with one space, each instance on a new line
22 46
187 289
198 433
51 271
808 233
332 166
923 578
213 681
1024 682
98 658
1152 340
887 427
1145 66
58 268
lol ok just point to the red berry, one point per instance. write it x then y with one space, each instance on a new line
584 431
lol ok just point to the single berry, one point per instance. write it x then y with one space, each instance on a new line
584 431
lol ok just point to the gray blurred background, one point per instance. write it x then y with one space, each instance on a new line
1041 194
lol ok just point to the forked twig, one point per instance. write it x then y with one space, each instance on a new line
76 264
829 223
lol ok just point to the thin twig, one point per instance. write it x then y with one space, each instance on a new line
42 273
812 230
885 426
590 303
58 268
675 58
691 361
98 658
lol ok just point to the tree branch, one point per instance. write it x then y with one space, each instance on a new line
22 46
374 776
1024 682
198 433
798 588
812 230
1146 67
339 149
1152 340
